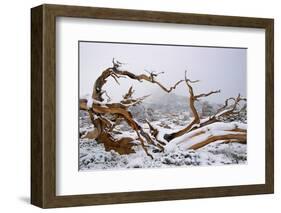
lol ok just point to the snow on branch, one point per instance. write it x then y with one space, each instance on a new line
198 133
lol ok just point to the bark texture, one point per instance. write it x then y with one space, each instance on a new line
106 115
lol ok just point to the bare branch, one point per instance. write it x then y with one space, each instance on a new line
207 94
227 109
195 123
105 93
133 102
129 93
154 73
196 119
154 132
188 80
115 73
115 78
128 100
242 138
150 78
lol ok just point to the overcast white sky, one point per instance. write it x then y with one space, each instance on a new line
216 68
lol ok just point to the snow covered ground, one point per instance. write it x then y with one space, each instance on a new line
94 157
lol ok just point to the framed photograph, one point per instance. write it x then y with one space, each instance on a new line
136 106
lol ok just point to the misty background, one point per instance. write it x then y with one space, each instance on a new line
215 67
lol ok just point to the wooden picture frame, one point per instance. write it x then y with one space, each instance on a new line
43 105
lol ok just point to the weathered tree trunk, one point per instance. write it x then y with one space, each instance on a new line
241 138
104 127
216 132
196 120
120 110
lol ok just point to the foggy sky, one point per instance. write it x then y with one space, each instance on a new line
216 68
